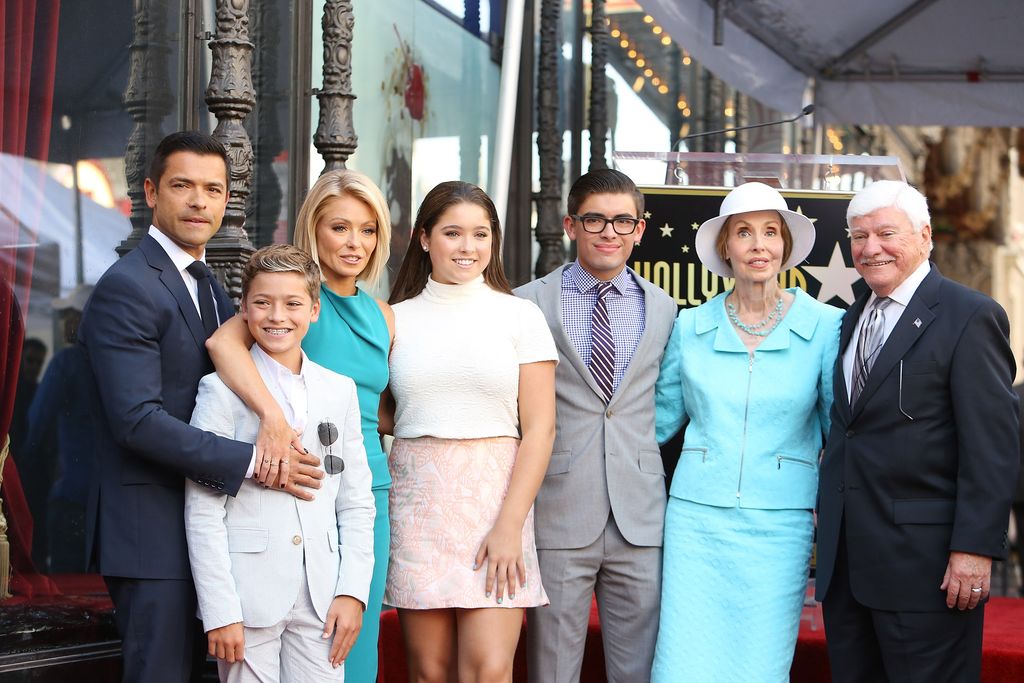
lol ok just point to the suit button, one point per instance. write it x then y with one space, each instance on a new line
608 413
849 433
840 488
296 540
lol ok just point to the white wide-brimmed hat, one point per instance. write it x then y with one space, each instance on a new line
753 197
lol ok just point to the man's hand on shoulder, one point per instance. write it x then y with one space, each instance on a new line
227 643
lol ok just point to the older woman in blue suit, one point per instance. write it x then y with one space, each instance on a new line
752 371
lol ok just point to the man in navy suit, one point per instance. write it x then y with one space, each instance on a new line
144 332
921 459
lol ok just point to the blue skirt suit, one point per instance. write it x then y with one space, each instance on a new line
351 338
738 526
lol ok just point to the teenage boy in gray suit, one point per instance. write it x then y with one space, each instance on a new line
600 511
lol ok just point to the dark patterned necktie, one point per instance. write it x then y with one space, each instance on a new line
207 311
602 344
872 334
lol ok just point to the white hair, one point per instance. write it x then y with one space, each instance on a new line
883 194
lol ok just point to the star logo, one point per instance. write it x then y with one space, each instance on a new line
800 211
647 215
666 231
695 225
685 249
836 278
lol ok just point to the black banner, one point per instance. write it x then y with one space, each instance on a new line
667 256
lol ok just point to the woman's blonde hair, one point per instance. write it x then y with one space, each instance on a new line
345 183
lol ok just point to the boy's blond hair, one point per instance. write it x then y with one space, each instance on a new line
282 258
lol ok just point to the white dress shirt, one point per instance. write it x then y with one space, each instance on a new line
182 260
287 388
900 298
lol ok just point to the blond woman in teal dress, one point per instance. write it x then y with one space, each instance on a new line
345 225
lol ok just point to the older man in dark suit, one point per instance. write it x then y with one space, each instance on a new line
144 332
921 461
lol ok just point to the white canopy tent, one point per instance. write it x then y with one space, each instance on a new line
888 62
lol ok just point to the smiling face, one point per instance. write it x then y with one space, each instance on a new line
755 246
189 202
459 244
885 248
346 236
278 310
604 254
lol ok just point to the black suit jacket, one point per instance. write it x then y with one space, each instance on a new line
926 461
145 343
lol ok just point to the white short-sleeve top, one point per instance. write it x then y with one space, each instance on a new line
456 357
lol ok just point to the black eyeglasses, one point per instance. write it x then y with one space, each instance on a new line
622 225
328 433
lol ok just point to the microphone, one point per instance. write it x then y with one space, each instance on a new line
809 109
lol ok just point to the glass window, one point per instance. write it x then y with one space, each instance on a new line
423 115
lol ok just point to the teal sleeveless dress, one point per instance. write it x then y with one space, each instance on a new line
351 338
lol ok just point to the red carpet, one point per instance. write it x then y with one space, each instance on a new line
1003 656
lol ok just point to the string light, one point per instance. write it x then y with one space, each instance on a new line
632 51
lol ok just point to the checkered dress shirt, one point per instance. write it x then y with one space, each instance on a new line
625 313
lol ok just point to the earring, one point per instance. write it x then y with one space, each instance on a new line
636 244
425 249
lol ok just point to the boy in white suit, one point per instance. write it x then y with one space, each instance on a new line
276 577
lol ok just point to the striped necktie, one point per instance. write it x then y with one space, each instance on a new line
872 335
602 344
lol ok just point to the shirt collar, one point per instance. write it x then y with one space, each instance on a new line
906 289
584 281
179 257
280 372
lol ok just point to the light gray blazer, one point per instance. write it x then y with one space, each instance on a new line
248 552
605 457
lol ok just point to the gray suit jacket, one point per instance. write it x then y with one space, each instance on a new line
605 457
249 552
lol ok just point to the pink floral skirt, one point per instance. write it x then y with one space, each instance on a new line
445 497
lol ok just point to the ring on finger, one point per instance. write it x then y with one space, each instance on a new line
976 589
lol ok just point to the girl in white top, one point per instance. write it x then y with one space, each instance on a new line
473 377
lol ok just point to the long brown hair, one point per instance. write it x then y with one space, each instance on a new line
412 276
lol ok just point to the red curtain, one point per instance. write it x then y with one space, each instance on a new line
27 68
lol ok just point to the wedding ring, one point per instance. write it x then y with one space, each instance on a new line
266 461
976 590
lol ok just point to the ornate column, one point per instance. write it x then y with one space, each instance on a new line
549 142
335 136
598 85
148 99
230 97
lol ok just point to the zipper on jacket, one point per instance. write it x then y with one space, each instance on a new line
798 461
746 412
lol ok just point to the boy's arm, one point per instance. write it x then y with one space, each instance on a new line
205 512
354 508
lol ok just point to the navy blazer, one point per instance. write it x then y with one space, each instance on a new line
925 462
144 341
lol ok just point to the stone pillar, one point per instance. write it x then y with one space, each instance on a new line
230 97
549 142
335 136
148 99
598 85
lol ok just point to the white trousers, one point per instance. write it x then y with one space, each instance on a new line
290 651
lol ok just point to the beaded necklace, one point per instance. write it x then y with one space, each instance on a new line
761 328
